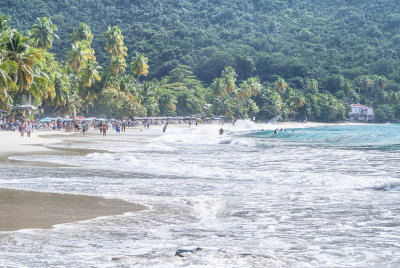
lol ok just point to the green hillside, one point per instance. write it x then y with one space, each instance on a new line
313 58
257 37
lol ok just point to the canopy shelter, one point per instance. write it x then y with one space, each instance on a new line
23 107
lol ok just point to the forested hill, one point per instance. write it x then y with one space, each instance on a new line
268 38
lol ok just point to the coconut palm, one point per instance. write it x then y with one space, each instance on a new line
281 85
118 65
6 83
79 54
43 33
229 78
82 33
225 84
61 85
89 73
139 65
114 46
42 86
17 49
249 88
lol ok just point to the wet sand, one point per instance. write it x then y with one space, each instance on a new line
25 209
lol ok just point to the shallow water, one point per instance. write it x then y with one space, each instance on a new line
316 197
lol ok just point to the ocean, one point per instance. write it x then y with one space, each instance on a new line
324 196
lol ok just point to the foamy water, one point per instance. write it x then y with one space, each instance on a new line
317 197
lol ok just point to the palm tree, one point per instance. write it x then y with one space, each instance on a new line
139 65
6 83
229 76
79 54
224 85
281 85
17 49
118 65
42 86
249 88
82 33
43 33
114 46
61 83
89 73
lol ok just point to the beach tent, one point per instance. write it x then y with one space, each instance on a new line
47 120
23 107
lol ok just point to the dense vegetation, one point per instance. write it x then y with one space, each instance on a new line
289 59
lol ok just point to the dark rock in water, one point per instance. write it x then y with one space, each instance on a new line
181 252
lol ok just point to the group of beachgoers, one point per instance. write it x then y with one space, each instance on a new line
25 125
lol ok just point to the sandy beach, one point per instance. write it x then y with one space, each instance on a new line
28 209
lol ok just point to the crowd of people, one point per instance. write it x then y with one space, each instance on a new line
24 125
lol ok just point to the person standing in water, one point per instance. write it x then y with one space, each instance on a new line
221 131
164 128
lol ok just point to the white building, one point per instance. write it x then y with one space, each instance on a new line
361 112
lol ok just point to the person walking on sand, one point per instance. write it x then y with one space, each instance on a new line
101 128
104 130
29 129
83 128
21 128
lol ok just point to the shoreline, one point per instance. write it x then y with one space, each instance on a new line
21 209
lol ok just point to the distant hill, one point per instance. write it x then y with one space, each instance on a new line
268 38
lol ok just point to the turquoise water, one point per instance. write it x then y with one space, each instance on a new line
377 137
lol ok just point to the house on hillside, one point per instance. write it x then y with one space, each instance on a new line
360 112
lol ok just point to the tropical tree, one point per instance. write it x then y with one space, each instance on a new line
17 49
223 86
82 33
249 88
43 33
89 73
114 46
79 54
118 65
280 84
139 65
6 83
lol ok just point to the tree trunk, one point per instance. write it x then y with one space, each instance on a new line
219 107
63 107
109 71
